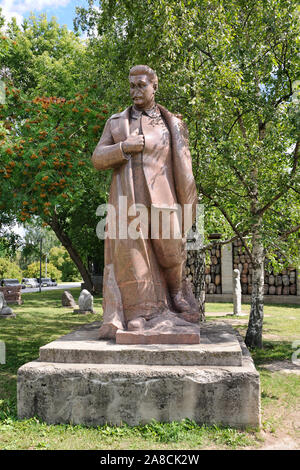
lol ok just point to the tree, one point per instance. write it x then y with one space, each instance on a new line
30 251
42 57
230 67
9 270
33 271
9 243
60 258
44 159
47 140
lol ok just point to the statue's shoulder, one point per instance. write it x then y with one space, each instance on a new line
122 114
175 117
115 116
175 121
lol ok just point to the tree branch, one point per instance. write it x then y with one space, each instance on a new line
284 69
224 242
289 232
281 193
228 218
208 54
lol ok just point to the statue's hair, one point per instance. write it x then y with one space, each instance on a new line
144 70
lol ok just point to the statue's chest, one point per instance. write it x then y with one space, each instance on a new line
157 135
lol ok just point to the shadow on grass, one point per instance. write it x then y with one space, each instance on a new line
272 351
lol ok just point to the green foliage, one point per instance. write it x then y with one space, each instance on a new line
49 127
31 246
9 243
60 258
33 270
230 68
44 151
43 57
9 270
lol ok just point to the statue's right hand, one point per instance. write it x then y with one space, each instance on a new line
134 143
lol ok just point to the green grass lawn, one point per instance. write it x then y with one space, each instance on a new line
41 319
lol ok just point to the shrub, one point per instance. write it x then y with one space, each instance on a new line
9 270
61 259
33 270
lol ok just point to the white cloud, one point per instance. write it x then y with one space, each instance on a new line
18 8
9 11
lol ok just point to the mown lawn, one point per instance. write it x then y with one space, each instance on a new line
41 319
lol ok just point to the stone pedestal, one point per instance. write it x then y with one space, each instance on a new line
7 313
80 379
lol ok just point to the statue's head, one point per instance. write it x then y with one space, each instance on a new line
143 86
236 273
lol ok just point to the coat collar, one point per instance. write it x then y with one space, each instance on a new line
136 113
120 122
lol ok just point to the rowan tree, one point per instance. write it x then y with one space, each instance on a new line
46 144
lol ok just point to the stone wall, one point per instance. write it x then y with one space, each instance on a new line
284 283
216 275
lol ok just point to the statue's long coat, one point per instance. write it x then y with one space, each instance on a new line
108 154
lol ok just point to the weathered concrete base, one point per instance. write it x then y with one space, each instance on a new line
97 393
219 347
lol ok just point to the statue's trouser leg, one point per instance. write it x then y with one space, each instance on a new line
138 275
170 256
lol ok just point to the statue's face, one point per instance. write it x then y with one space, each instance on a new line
142 91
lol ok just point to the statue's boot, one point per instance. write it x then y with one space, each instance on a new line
179 302
137 324
108 331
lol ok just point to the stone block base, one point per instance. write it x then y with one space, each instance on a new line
132 337
8 315
82 312
135 393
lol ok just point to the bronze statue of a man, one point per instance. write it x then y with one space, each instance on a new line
147 147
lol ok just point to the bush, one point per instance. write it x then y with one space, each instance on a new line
61 259
9 270
33 270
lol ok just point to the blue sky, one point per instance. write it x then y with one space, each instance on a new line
63 10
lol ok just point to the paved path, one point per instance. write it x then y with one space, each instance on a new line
59 286
285 366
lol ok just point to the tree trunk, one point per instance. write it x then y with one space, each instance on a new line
199 282
66 242
254 332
